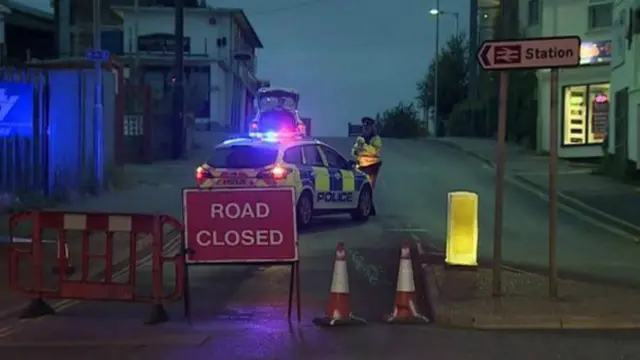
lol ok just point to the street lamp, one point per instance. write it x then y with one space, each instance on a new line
456 16
437 13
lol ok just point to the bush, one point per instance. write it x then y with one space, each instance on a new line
469 118
402 121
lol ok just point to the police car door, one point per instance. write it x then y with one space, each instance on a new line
315 166
342 180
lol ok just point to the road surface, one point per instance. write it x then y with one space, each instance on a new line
239 312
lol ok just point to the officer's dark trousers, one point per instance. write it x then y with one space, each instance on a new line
372 171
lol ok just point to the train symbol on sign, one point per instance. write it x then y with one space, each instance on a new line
507 54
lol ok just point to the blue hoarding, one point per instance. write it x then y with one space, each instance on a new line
16 109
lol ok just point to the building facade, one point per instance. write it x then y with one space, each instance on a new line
26 34
584 109
220 60
219 66
624 111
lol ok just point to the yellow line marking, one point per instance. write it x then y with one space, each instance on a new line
409 230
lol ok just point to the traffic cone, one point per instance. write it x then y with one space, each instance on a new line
405 310
338 310
68 268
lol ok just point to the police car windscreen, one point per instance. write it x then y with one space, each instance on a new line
277 121
242 157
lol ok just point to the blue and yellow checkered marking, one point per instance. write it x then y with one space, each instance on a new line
321 179
306 176
360 179
335 180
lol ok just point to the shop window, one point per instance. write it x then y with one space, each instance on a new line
586 114
533 12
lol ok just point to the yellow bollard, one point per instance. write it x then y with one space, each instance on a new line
462 229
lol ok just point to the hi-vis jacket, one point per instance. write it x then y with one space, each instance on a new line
367 153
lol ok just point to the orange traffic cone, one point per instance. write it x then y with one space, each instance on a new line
338 310
62 259
405 310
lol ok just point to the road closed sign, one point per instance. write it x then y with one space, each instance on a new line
240 225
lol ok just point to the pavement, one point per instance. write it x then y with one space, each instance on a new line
602 198
240 311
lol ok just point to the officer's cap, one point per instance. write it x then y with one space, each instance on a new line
368 121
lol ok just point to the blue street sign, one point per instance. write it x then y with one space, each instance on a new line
97 55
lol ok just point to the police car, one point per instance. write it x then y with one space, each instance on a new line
325 182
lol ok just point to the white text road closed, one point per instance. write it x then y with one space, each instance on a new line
240 225
240 238
537 53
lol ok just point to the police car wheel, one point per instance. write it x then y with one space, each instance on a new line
304 210
365 205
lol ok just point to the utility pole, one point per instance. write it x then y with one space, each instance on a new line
177 118
97 119
500 163
437 73
136 33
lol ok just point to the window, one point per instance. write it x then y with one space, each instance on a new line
312 156
239 157
533 13
600 16
334 159
586 114
293 156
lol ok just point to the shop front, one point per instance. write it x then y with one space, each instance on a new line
583 104
585 115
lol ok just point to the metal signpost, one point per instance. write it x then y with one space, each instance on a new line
98 57
177 118
536 53
248 226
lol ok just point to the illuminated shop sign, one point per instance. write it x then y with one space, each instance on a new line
595 52
16 109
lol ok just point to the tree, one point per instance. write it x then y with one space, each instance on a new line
522 106
452 77
401 121
480 117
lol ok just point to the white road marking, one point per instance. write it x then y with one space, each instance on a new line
570 210
409 230
67 303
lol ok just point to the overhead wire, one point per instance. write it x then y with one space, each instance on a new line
289 7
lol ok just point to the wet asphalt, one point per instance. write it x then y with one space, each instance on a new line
240 312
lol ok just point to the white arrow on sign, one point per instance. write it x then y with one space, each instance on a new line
536 53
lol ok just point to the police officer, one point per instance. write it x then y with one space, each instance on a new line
367 150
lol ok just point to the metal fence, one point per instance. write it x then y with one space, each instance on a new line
354 129
50 145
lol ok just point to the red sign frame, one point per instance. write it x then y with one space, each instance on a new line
277 226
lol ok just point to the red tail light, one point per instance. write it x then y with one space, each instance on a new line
254 126
302 129
202 175
276 173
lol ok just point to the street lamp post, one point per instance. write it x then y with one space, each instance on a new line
436 72
437 13
456 17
